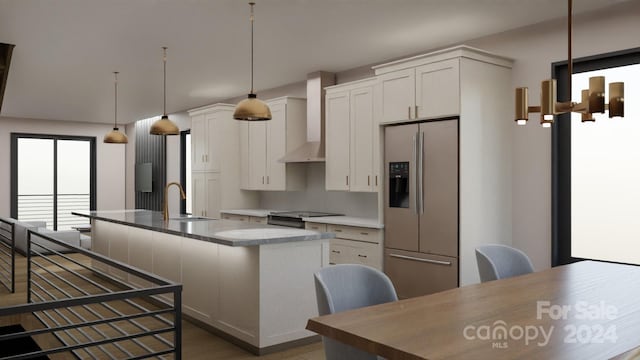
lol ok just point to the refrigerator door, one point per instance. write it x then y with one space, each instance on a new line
439 192
416 274
400 210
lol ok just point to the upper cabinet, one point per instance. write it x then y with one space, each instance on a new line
420 91
352 137
208 137
216 181
264 143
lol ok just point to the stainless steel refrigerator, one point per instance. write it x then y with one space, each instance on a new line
421 206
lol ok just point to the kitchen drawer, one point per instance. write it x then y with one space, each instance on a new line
244 218
355 233
355 252
257 220
338 253
315 226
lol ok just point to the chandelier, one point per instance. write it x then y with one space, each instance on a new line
592 101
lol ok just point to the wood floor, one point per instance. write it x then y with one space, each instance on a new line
197 343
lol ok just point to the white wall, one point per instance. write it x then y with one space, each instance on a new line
110 158
534 48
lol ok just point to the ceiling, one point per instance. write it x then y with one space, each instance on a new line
66 50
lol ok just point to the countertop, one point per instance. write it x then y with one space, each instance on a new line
346 220
225 232
249 212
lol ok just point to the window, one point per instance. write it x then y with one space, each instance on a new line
185 171
52 176
595 169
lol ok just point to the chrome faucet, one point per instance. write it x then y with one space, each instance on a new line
165 213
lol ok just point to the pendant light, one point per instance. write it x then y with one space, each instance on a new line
115 136
164 126
251 108
592 99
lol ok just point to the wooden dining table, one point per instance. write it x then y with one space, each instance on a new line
584 310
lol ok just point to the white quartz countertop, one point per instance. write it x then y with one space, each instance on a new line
346 220
248 212
224 232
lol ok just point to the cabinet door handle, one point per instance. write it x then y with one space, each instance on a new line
438 262
267 179
368 180
376 180
335 251
416 111
364 233
362 256
263 180
337 230
409 112
347 177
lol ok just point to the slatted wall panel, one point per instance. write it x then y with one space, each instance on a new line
151 148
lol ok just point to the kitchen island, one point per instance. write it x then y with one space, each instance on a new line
251 283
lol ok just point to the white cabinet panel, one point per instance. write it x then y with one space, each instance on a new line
200 279
337 141
199 193
213 195
276 148
438 89
362 126
257 157
397 95
198 142
140 244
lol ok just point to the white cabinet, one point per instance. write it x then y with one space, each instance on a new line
264 143
215 161
426 91
208 131
352 149
352 244
206 194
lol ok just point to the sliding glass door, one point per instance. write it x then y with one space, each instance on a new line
52 176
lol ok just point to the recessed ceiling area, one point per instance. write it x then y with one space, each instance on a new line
67 50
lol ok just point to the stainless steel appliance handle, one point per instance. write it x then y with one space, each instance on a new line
414 160
438 262
420 172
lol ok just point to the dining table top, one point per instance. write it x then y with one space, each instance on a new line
583 310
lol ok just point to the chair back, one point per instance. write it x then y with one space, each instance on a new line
346 287
497 261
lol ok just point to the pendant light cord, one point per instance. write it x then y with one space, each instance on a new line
115 116
569 45
164 61
251 18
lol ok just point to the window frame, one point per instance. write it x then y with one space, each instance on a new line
14 169
561 149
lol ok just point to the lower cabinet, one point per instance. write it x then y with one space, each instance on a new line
245 218
206 194
352 244
201 268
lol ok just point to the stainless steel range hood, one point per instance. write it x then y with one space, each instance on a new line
313 149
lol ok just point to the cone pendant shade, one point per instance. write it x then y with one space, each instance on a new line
252 109
164 126
115 136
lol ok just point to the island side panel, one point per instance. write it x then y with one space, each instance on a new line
287 289
238 297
